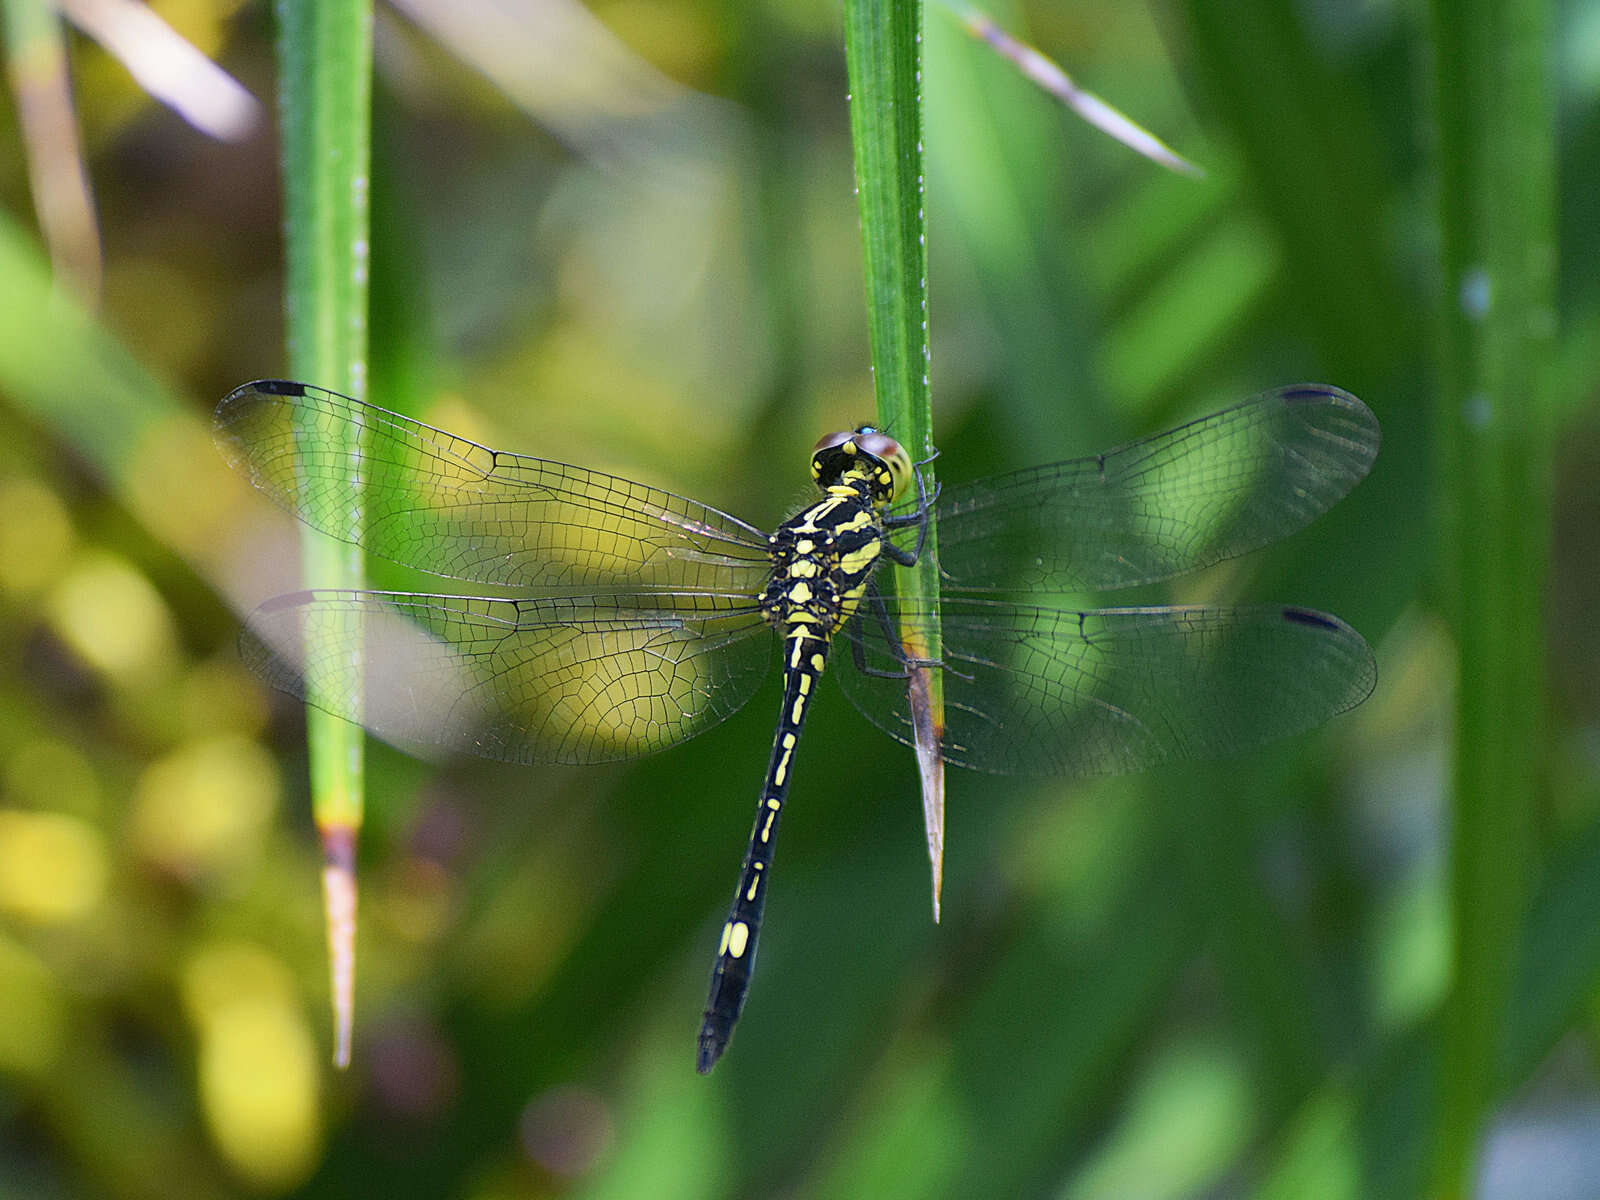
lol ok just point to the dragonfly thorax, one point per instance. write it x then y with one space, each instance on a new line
822 559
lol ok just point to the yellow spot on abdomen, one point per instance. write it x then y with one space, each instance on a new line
738 939
727 932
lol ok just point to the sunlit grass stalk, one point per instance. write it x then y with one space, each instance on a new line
1044 73
325 58
883 53
36 67
1493 97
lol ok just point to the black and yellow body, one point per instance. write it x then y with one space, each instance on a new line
626 619
822 563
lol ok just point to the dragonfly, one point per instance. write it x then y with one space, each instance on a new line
614 619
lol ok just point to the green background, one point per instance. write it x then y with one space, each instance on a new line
640 252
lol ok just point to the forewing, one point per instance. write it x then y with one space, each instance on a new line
1204 492
1034 691
442 504
581 679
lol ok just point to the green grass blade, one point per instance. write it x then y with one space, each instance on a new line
1494 112
1361 1135
325 53
63 370
883 54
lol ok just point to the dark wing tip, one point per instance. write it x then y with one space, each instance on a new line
1364 679
1326 393
245 393
239 404
332 595
288 600
274 387
1312 393
1343 414
1315 619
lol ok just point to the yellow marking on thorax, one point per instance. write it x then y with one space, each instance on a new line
809 518
861 520
858 561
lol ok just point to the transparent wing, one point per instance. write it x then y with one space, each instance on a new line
448 506
1204 492
581 679
1035 691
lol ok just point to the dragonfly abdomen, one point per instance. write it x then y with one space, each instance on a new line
822 560
805 655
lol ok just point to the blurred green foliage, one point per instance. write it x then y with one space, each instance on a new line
633 244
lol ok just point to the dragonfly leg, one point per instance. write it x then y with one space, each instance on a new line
874 599
919 518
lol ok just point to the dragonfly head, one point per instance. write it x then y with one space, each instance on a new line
863 453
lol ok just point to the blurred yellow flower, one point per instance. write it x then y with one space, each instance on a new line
52 866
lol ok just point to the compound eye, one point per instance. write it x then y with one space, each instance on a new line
829 441
889 452
879 444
